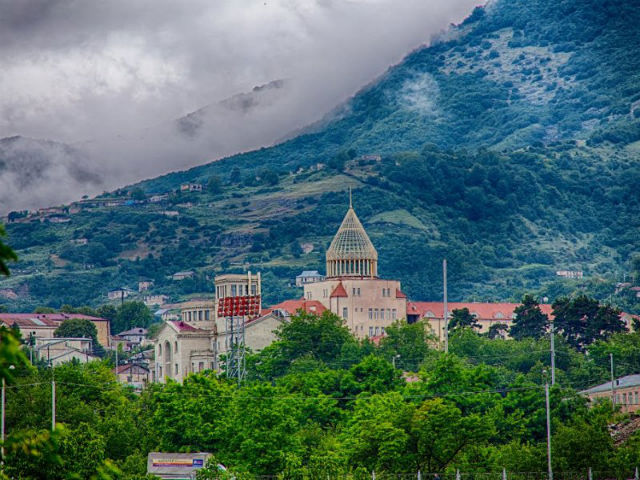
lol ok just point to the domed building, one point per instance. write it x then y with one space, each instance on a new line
352 288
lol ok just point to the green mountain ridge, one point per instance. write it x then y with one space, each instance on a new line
510 147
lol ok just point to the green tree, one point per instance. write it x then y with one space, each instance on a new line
461 318
130 315
305 337
582 320
138 194
529 320
80 328
6 254
442 432
214 185
377 434
107 311
408 344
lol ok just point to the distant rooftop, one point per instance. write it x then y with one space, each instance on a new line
622 382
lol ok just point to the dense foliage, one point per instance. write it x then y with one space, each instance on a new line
320 403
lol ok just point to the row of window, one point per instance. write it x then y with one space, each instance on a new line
236 290
196 316
355 292
176 368
376 331
167 347
379 313
627 399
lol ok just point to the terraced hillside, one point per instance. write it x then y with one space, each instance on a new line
510 146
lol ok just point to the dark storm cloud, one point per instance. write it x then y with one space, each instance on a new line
111 77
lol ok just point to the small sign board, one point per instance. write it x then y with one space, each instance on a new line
176 465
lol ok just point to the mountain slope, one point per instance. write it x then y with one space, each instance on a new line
510 147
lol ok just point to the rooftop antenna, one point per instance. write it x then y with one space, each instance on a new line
350 201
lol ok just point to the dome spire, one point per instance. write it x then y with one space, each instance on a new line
351 253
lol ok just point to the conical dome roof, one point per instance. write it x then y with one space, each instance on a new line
351 242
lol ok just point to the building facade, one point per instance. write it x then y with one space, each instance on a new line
487 314
181 349
625 392
352 288
200 314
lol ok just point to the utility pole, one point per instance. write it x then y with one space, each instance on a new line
553 355
53 401
446 313
613 388
2 425
546 394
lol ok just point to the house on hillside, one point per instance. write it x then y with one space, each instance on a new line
144 285
308 276
151 300
41 322
56 351
133 374
119 293
182 275
191 187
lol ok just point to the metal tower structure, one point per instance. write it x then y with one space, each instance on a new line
235 363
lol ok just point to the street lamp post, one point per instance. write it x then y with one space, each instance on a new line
393 360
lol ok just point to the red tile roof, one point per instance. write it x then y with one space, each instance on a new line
28 322
487 311
339 292
55 317
184 327
292 306
399 294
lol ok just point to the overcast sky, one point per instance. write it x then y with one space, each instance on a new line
75 70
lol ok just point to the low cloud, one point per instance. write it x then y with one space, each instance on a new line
111 78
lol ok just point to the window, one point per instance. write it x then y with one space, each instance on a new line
345 311
382 313
200 366
200 315
159 350
377 331
324 293
384 292
206 314
382 330
234 290
254 289
358 291
175 347
389 313
388 292
375 313
160 372
393 314
308 295
175 368
371 314
354 291
371 331
636 398
624 398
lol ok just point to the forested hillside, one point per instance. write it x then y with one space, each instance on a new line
510 146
